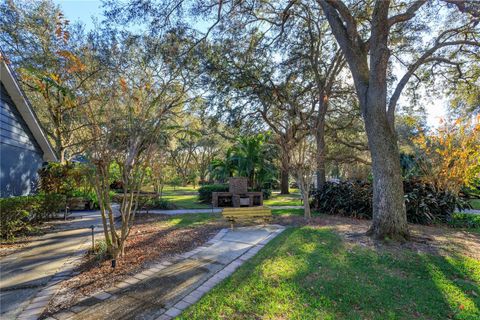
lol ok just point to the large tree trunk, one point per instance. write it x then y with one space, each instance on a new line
284 188
320 155
370 78
389 215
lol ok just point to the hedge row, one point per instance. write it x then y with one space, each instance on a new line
205 191
21 213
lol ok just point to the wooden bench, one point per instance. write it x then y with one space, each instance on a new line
234 214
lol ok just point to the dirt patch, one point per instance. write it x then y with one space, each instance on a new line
150 241
440 240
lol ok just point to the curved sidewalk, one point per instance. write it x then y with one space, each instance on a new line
28 277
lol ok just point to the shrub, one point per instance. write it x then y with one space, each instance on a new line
424 204
465 220
267 193
353 199
90 196
158 203
205 191
47 205
61 178
20 213
14 217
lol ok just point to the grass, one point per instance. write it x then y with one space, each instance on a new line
277 199
465 220
308 273
174 189
475 204
291 212
190 220
185 201
187 198
168 189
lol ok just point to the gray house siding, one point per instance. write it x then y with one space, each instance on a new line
20 154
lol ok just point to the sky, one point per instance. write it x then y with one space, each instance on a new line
81 10
85 10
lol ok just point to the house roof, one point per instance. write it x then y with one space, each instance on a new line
9 80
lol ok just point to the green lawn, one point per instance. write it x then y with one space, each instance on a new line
190 219
185 201
289 212
187 198
168 189
195 219
308 273
277 199
174 189
475 204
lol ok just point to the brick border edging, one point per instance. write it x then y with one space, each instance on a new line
188 299
35 313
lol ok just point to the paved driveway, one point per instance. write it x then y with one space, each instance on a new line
24 273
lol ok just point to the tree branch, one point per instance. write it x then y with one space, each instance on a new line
408 14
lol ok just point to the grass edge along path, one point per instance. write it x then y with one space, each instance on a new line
309 273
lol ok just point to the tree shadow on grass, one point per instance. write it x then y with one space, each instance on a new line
310 273
388 285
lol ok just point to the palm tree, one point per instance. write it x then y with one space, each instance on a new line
250 157
222 169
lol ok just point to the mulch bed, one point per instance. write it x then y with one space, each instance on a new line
148 243
437 239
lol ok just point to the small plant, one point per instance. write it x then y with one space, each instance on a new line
100 253
464 220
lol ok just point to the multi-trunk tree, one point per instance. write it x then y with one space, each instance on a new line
139 95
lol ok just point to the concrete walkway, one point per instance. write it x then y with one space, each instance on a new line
212 210
182 211
167 288
45 260
470 211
